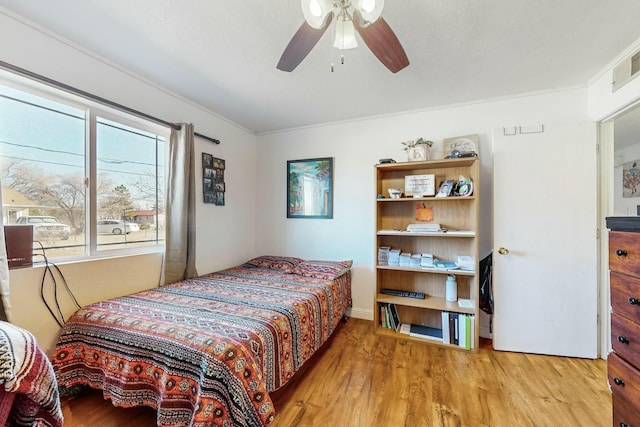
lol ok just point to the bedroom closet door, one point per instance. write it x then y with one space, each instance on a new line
545 240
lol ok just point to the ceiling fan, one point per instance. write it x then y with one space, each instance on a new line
362 16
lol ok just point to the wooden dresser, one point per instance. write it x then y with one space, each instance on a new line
624 361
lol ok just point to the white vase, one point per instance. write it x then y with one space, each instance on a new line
418 153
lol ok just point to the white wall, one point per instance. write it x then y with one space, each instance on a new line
226 235
356 147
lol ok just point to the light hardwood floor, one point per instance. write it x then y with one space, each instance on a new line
359 379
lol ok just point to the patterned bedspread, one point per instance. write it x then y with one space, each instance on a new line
28 389
206 351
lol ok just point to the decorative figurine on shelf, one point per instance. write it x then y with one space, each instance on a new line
394 193
417 149
464 187
424 213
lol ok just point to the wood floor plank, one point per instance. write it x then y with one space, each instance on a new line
361 380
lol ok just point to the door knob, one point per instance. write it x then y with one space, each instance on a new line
503 251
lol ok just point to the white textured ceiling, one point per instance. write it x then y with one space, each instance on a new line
222 54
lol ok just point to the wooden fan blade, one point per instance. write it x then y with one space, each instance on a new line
382 41
301 44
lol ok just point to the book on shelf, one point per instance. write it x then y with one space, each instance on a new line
415 260
467 344
452 328
395 317
462 328
390 321
383 255
405 259
466 262
467 331
425 332
465 303
405 328
426 260
446 336
394 256
423 227
458 329
444 265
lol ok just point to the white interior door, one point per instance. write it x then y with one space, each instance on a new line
545 216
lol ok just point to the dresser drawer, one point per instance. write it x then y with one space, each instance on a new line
625 295
624 252
624 379
625 338
625 414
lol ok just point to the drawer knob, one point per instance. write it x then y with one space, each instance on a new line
624 425
623 340
618 381
634 301
621 252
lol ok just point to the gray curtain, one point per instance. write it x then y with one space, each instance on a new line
5 304
180 253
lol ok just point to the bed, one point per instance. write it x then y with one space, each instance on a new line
207 351
28 393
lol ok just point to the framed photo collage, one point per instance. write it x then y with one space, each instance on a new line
213 185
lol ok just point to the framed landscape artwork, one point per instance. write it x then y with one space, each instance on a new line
310 188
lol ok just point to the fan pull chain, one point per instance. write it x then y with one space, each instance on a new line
341 62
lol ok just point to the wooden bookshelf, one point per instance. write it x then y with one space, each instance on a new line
458 215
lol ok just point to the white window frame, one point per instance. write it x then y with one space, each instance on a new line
93 110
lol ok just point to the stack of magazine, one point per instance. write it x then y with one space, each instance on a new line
415 260
394 257
426 260
405 259
425 227
466 263
383 255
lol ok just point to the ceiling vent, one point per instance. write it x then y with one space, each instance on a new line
626 71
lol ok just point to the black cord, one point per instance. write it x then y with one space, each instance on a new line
47 270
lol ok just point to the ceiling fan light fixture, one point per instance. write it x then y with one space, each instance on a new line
345 35
316 11
370 10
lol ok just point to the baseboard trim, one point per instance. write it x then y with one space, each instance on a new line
360 313
485 332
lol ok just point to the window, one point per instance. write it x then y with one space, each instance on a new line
88 179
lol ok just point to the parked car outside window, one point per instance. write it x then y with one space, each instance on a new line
46 226
114 226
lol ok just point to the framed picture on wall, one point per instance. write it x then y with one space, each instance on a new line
207 161
631 179
219 198
213 185
310 188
